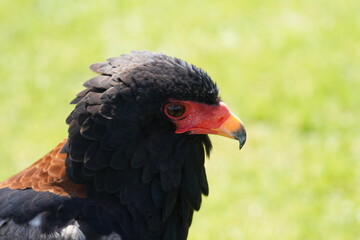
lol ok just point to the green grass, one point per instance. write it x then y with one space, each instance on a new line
289 69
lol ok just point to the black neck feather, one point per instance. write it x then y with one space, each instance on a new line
156 175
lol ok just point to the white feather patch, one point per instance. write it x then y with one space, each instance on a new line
36 221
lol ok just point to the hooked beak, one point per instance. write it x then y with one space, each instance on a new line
233 128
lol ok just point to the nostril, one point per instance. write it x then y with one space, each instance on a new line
221 119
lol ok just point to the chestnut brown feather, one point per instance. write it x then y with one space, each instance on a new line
47 174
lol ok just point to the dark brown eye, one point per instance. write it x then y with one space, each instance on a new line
175 110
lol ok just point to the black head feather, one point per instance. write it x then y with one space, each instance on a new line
120 142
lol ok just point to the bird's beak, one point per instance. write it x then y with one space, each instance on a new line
232 127
211 119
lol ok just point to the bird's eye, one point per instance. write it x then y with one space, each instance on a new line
175 110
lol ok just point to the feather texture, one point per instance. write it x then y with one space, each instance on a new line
122 170
47 174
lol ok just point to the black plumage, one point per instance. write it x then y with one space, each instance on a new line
143 181
139 140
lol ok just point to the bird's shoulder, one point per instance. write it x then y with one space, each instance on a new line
47 174
40 202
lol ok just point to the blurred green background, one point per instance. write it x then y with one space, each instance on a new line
289 68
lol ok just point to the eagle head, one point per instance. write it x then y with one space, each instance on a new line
139 133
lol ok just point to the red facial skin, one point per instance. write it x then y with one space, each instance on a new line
200 118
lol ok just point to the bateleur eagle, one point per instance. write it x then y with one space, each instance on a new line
132 166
